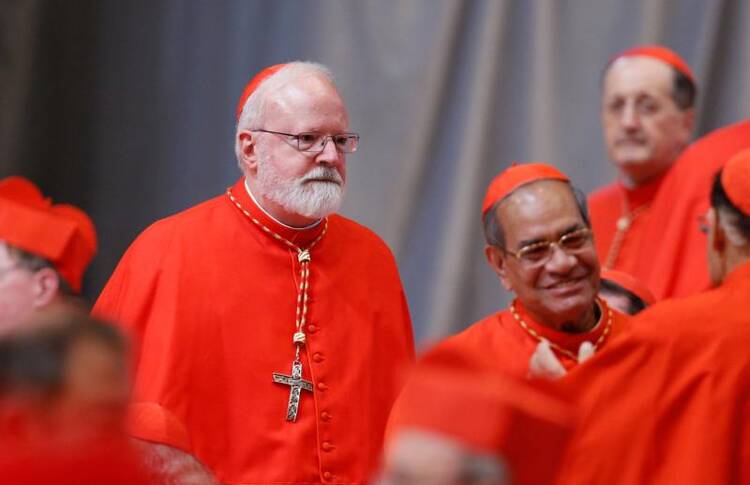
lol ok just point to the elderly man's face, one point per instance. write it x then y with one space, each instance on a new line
643 127
560 289
301 186
17 291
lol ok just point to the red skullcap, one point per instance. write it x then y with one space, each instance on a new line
254 83
735 179
514 177
629 283
460 396
660 53
60 233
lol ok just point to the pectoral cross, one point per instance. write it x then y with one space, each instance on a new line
296 383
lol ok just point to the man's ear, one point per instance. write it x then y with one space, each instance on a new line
497 261
248 151
46 283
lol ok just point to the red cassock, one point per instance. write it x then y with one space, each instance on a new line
669 401
662 245
511 346
210 300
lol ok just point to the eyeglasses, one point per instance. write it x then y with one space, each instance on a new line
311 141
538 253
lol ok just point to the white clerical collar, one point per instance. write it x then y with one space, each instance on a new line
255 201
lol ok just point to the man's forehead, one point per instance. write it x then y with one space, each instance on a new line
545 207
638 72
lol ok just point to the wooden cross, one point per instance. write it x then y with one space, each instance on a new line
296 383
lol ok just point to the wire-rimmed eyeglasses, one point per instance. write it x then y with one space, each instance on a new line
311 141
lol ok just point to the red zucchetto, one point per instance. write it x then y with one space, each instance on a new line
60 233
630 283
660 53
254 83
735 179
515 176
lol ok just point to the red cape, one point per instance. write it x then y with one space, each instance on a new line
669 401
210 300
510 346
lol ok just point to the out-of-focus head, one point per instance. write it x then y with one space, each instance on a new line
729 218
63 377
459 421
625 293
292 139
44 250
539 243
647 111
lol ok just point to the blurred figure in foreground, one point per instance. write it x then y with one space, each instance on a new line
669 402
64 390
459 421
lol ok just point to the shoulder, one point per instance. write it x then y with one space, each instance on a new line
604 195
480 330
191 219
357 234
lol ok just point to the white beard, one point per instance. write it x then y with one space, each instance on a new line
300 196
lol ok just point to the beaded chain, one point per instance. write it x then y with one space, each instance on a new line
623 224
535 334
303 257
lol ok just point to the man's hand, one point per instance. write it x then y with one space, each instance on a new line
170 466
545 364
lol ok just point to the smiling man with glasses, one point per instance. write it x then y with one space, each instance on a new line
272 330
539 243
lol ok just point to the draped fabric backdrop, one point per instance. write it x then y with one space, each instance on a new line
126 108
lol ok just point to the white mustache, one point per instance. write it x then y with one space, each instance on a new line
323 173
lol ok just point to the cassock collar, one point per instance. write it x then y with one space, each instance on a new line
569 341
641 195
302 237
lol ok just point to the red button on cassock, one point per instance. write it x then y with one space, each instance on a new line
327 446
327 475
312 329
325 416
318 357
322 386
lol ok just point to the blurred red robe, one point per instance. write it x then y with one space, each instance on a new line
669 401
210 301
663 247
510 346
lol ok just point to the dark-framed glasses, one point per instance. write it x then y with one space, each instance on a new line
311 141
538 253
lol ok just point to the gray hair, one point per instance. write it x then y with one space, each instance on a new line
254 109
33 263
493 230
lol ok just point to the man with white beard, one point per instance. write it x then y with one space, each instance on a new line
270 330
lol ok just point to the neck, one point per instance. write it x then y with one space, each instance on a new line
275 212
735 256
584 323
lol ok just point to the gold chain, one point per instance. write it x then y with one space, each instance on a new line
535 334
303 257
622 226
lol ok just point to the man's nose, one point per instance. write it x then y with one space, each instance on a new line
629 117
329 154
560 261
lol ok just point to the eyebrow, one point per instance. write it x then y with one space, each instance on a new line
568 230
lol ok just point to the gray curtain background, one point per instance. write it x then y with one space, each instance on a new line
126 108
